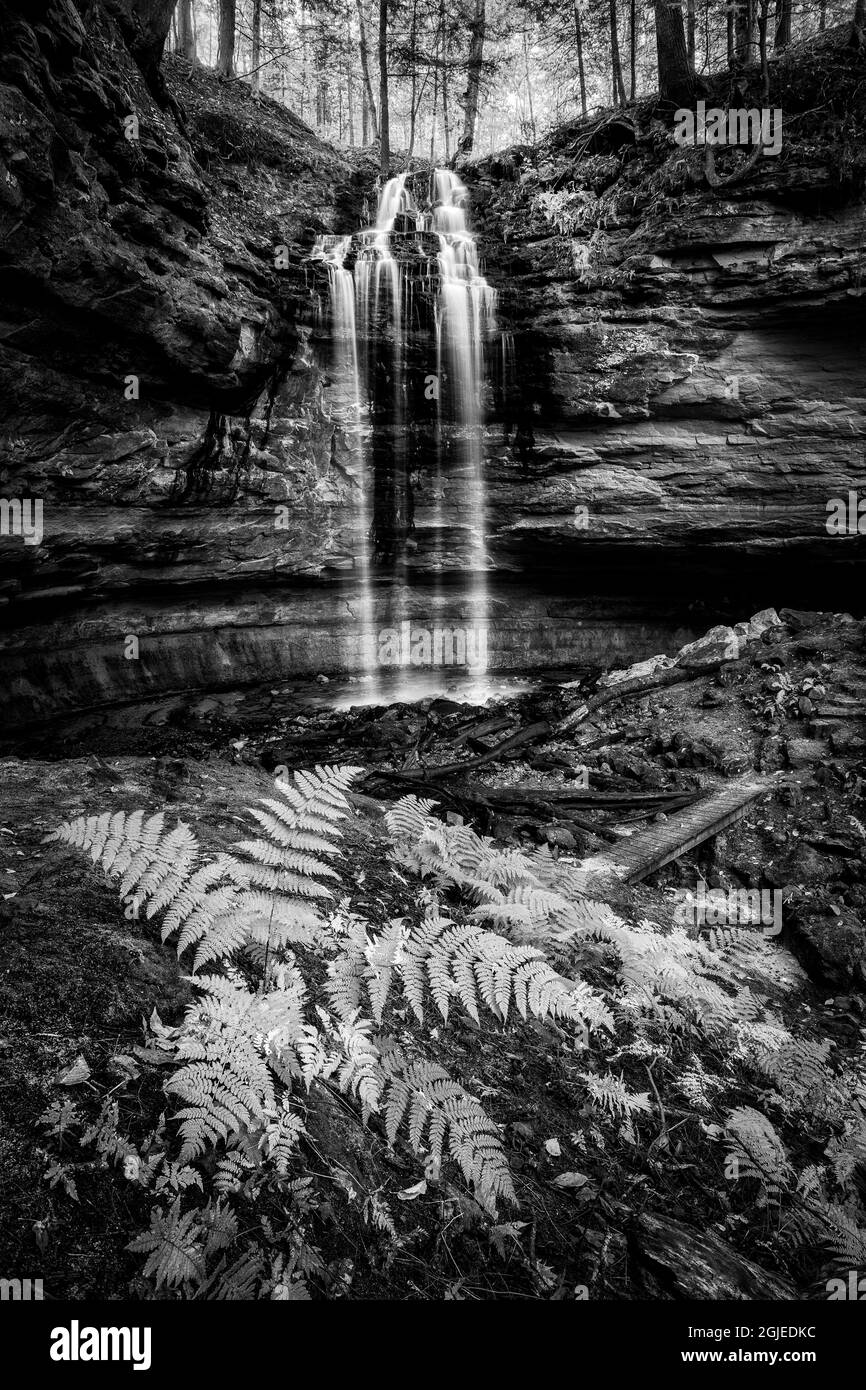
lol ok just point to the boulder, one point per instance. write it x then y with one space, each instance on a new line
719 644
639 671
798 621
807 752
831 945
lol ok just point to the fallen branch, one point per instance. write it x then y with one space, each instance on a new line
533 733
633 685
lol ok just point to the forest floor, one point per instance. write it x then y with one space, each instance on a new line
608 1209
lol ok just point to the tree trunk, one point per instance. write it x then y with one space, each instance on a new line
413 37
185 31
675 79
632 41
743 31
435 99
615 62
154 17
578 37
763 22
858 24
369 102
690 34
477 33
384 130
226 42
783 25
529 90
350 85
446 130
256 54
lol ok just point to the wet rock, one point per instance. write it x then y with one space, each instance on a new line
639 671
831 945
801 864
845 741
772 754
760 622
719 644
797 621
676 1260
806 752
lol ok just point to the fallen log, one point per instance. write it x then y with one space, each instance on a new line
533 733
633 685
596 800
479 804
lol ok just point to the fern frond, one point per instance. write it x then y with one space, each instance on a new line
610 1093
423 1094
757 1150
226 1082
173 1245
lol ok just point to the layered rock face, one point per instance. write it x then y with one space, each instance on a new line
690 363
691 379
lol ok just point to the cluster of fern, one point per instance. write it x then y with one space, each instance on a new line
268 1026
674 991
300 1003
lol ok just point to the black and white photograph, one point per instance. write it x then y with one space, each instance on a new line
432 673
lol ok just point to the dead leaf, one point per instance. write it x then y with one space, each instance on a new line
570 1180
409 1194
77 1073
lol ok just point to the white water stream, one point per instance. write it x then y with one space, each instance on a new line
373 310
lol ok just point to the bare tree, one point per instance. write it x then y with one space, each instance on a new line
578 37
256 50
675 78
532 125
783 25
369 104
185 30
690 33
384 115
763 24
477 34
225 64
744 31
615 60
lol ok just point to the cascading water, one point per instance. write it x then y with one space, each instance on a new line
413 298
465 321
348 379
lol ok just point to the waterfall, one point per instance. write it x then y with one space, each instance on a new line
465 321
348 379
408 294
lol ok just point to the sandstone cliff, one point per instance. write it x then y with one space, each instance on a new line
689 370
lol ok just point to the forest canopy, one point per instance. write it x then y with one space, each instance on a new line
439 78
